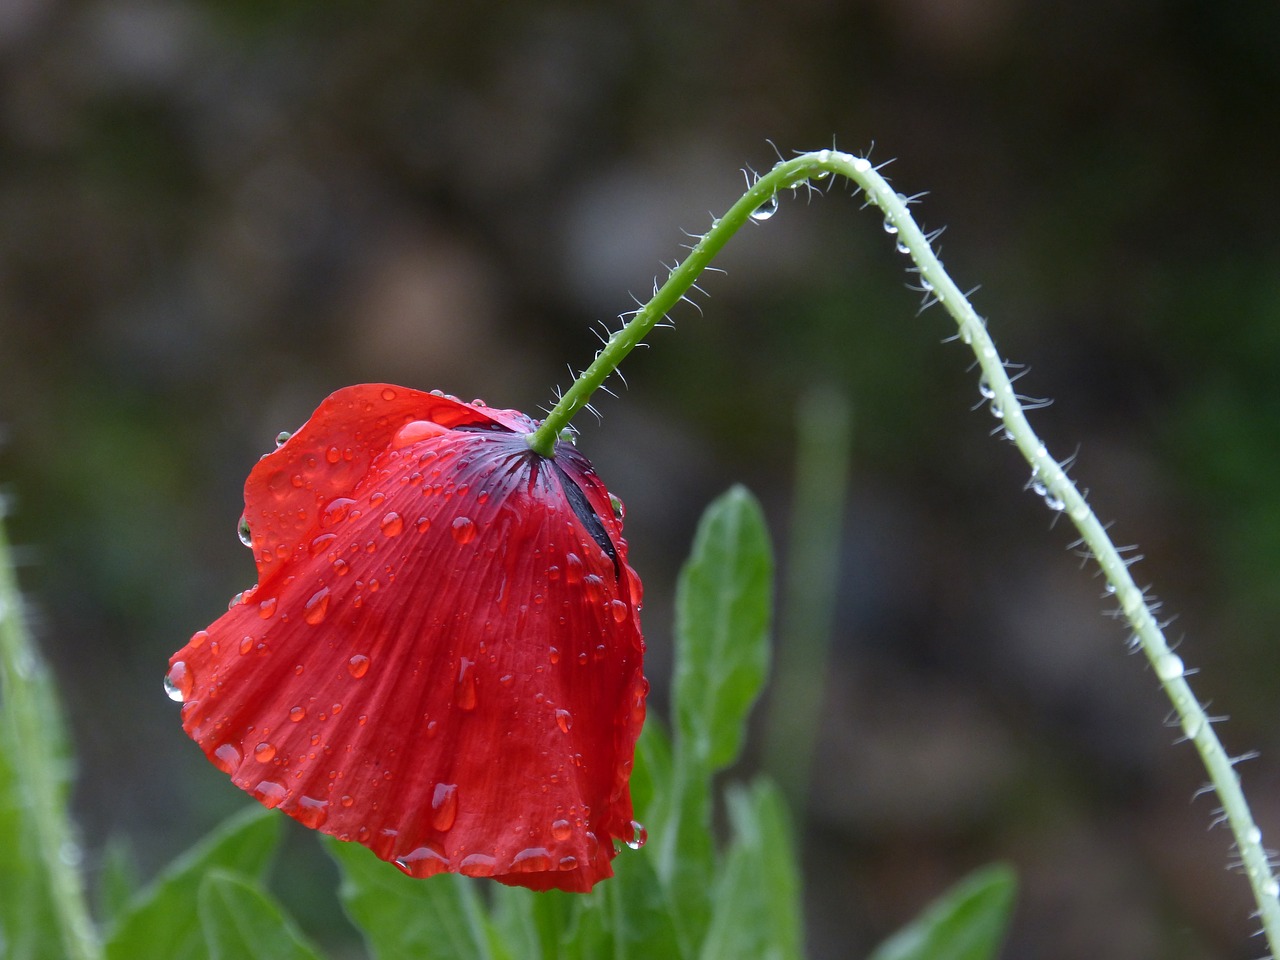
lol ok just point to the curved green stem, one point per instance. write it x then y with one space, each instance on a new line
1048 476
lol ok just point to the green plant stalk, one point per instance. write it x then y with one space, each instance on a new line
26 714
1060 493
823 439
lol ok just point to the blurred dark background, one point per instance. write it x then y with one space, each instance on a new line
212 214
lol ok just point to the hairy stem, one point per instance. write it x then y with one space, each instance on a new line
28 711
1048 477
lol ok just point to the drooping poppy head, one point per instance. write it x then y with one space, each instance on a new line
441 659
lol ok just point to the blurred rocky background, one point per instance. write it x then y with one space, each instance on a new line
212 214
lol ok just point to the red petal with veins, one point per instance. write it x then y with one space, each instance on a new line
442 657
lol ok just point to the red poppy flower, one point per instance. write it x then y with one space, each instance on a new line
441 659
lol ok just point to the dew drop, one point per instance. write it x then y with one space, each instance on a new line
264 752
568 863
392 525
553 654
478 865
890 227
1054 502
267 608
336 511
178 683
985 388
1169 666
388 394
573 568
311 812
593 586
316 608
766 209
227 758
619 611
297 714
415 431
564 720
444 806
333 455
270 794
531 860
464 530
246 644
465 696
619 511
902 247
561 829
282 438
1255 835
639 835
358 665
321 543
243 531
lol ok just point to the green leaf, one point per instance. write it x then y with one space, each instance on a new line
402 918
757 897
161 920
723 607
966 923
242 922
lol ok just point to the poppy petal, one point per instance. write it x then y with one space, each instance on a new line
442 659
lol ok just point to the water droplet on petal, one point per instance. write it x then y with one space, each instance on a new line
270 794
358 665
178 682
477 865
464 530
336 511
317 607
243 531
415 431
619 511
564 720
267 608
465 697
283 437
573 568
264 752
444 806
297 714
227 758
388 394
561 829
311 812
619 610
531 860
392 524
423 861
639 835
593 586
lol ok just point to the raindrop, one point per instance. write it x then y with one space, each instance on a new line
392 524
311 812
997 411
1054 502
415 431
984 387
593 586
619 610
297 714
415 862
564 720
1271 888
890 227
317 607
902 247
267 608
1169 666
619 511
1255 835
264 752
639 835
388 394
227 757
336 511
270 794
243 531
573 568
178 682
246 644
283 437
1110 588
464 530
478 865
321 543
568 863
766 209
465 696
531 860
358 665
561 829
